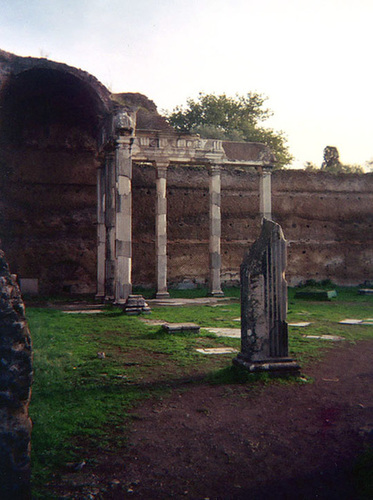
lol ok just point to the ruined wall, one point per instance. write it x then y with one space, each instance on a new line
48 210
48 223
327 221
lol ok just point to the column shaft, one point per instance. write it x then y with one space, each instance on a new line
265 194
215 230
123 219
161 230
101 233
109 224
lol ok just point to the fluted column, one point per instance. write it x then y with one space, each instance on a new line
123 219
265 193
161 230
215 230
109 173
101 233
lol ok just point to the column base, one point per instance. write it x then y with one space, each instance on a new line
100 297
275 366
135 305
216 293
162 295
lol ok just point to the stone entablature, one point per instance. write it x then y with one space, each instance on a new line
190 149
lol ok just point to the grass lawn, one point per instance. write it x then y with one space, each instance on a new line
79 394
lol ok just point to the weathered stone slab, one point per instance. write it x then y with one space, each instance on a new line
264 331
234 333
84 311
135 304
366 291
181 327
351 322
217 350
301 324
368 321
333 338
316 294
15 390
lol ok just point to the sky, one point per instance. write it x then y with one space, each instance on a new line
312 59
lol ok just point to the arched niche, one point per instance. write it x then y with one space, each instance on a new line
51 120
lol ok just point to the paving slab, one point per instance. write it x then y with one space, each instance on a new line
349 321
301 324
226 332
217 350
333 338
84 311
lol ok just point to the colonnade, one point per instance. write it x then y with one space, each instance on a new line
114 218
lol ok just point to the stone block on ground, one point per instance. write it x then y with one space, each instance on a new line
333 338
181 327
226 332
135 304
217 350
316 294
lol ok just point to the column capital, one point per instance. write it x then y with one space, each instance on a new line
161 169
264 170
123 141
214 169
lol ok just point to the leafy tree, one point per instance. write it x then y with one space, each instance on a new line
230 118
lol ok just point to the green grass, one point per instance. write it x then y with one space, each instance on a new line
80 400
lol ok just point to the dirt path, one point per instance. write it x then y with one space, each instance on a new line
293 441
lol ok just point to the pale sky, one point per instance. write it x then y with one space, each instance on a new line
311 58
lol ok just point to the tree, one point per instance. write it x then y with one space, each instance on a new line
230 118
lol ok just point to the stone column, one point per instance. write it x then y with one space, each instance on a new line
265 193
123 242
101 233
215 231
161 230
109 174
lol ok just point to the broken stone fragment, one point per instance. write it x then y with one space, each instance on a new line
15 390
264 330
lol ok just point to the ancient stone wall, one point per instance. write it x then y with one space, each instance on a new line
48 224
327 221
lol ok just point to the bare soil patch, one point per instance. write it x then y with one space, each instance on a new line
276 441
